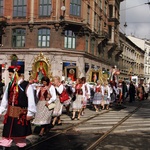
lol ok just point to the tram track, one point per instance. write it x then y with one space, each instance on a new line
65 130
107 133
99 139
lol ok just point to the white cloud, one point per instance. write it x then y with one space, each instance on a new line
137 16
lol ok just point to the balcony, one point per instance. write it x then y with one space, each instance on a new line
103 34
117 56
113 19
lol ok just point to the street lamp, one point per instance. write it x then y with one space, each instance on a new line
148 3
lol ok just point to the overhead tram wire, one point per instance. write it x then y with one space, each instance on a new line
132 7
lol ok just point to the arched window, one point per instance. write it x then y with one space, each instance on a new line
44 37
18 38
69 39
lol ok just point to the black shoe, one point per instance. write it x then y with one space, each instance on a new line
51 126
59 124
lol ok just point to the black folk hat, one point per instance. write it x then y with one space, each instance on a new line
14 69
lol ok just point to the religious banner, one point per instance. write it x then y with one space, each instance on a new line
41 67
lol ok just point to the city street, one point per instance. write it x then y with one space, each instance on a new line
57 52
119 128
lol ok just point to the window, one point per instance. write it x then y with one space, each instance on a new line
99 25
110 11
100 3
86 43
45 8
1 7
18 38
75 7
95 19
88 14
110 31
69 39
92 45
19 8
44 37
105 8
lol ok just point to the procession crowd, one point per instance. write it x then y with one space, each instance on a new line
41 104
76 96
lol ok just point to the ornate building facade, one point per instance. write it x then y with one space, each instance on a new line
144 44
132 59
147 62
79 33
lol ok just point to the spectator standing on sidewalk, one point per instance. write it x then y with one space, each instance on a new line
18 102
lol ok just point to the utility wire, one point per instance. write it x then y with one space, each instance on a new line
135 22
133 7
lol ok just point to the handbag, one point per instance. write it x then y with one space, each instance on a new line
51 106
63 96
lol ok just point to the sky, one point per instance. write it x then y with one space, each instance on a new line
136 15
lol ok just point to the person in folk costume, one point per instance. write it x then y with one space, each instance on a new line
119 101
46 95
97 96
87 94
18 101
106 91
112 96
59 106
69 89
114 72
80 95
115 91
